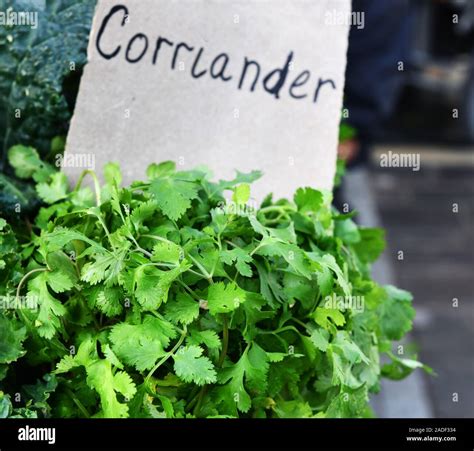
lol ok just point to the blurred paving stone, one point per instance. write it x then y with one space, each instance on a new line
409 397
416 211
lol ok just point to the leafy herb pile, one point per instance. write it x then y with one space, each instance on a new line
174 298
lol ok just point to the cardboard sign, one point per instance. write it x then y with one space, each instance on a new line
233 85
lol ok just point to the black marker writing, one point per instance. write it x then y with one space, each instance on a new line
249 72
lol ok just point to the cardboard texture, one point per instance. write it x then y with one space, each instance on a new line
227 84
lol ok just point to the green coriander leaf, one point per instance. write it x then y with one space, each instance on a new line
395 313
330 262
274 357
60 262
111 357
348 403
27 163
371 244
59 281
308 200
325 280
101 378
399 368
319 337
293 409
61 236
347 231
159 170
167 252
208 338
142 212
105 267
41 390
110 301
301 289
54 190
190 366
11 343
123 384
322 316
242 259
173 195
6 407
345 346
152 285
50 309
240 177
292 254
224 298
241 194
141 345
251 370
66 364
184 309
282 375
256 372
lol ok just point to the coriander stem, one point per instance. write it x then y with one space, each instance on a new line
106 230
277 219
315 304
168 355
199 400
78 403
195 272
139 187
203 270
189 290
192 398
203 274
120 209
256 249
144 251
156 237
160 265
28 274
130 235
219 244
281 329
296 320
96 184
225 342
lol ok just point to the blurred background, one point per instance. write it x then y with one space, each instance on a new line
410 91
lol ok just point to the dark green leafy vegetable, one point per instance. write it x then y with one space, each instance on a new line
40 70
